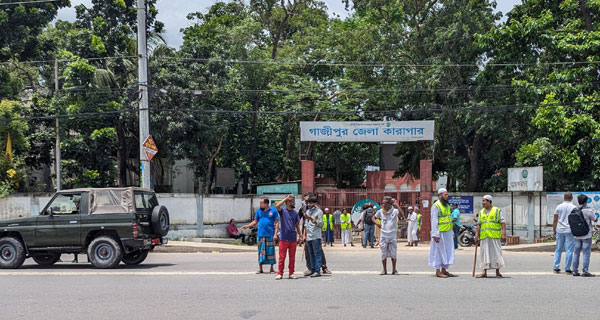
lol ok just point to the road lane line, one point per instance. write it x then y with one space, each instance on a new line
224 273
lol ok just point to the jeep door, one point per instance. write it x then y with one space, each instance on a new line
59 225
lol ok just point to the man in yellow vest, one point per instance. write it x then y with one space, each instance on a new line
441 250
490 229
327 228
346 228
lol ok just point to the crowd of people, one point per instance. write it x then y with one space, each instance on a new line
315 228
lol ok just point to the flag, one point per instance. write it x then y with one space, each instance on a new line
8 155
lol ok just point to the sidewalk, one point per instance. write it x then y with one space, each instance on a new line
211 245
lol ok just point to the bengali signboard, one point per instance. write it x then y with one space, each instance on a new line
526 179
465 203
150 148
366 131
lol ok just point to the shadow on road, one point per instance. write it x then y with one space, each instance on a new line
86 266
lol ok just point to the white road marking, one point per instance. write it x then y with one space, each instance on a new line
225 273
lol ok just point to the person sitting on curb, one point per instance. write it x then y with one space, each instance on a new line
233 232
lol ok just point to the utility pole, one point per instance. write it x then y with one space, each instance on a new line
144 118
57 147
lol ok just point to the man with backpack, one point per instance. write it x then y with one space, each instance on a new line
368 225
580 221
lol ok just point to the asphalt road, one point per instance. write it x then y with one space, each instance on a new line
224 286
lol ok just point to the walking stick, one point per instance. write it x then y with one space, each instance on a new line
475 258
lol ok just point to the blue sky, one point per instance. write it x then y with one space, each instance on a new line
173 13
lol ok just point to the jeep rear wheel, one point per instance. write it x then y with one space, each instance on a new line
12 253
47 259
105 252
135 258
160 220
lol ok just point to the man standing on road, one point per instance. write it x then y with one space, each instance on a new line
290 231
455 223
584 243
267 219
441 250
302 211
419 222
412 228
388 215
337 224
327 228
491 227
562 233
312 235
368 226
346 226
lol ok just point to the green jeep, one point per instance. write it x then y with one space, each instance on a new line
110 225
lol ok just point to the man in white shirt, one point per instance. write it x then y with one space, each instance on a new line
412 228
562 233
389 232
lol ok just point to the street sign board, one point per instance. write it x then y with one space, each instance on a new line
526 179
150 148
366 131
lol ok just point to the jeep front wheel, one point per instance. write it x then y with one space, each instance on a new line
135 258
46 259
12 253
105 252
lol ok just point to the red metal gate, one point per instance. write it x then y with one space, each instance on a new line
346 198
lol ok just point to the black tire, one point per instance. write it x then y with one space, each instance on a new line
160 220
46 259
464 240
105 252
597 243
12 253
135 258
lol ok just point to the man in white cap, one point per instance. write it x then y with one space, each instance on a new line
441 251
490 229
412 228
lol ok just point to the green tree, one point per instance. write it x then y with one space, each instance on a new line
557 44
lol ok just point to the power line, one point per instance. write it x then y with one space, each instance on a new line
436 108
26 2
322 63
68 60
376 65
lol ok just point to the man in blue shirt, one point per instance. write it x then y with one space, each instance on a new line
455 223
267 219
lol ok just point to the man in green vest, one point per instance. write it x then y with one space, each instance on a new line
441 250
491 228
346 219
419 222
327 228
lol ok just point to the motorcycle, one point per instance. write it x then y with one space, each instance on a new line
466 235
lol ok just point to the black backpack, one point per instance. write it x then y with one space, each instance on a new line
579 226
369 216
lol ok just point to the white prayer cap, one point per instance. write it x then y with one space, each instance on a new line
410 208
442 190
326 209
487 197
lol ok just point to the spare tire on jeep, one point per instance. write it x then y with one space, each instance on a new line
160 220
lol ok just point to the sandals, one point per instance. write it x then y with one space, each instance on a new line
395 272
479 276
383 273
259 272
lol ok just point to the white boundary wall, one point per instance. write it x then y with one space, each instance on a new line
194 215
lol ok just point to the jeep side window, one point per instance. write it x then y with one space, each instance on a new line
151 200
64 204
140 202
